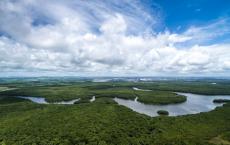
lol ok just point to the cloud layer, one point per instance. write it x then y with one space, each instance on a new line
109 38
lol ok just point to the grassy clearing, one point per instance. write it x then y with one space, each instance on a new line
5 89
219 141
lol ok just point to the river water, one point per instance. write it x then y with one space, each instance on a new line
195 104
41 100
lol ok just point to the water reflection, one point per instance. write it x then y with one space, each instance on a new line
41 100
93 99
195 104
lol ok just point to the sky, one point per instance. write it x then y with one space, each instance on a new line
115 38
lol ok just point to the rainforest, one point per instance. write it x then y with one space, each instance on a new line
105 121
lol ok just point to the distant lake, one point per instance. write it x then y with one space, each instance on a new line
195 104
41 100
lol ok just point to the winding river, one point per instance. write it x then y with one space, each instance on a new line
195 104
41 100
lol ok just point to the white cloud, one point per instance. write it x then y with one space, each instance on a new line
68 37
203 33
115 25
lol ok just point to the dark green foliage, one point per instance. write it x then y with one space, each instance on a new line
226 136
82 101
221 100
94 123
105 100
9 99
159 97
51 93
163 112
104 122
197 87
63 93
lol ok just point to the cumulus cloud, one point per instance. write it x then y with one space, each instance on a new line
97 37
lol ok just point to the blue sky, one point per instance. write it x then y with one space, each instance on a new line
184 13
115 38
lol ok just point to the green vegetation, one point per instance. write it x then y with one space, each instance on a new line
69 92
221 100
9 100
82 101
197 87
51 93
120 92
104 122
219 141
163 112
226 136
159 97
5 89
105 100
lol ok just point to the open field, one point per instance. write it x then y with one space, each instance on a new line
5 89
